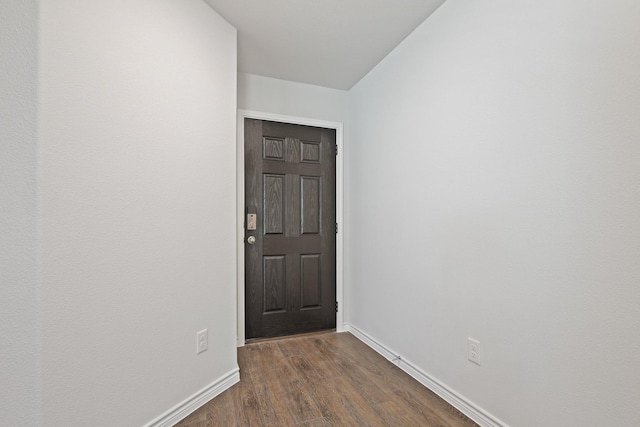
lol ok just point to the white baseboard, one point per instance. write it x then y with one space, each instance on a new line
477 414
189 405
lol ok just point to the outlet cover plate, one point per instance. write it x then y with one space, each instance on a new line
202 341
474 351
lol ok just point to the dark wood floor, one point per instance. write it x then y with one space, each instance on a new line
330 379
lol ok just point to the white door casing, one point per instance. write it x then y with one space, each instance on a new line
240 200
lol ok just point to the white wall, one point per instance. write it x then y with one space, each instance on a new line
19 338
283 97
493 192
137 206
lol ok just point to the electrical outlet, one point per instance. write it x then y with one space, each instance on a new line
202 341
474 351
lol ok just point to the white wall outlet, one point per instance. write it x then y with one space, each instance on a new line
474 351
202 341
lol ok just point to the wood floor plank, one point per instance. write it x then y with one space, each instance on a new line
280 376
244 361
329 379
267 385
217 411
433 407
372 393
302 405
340 403
290 347
318 346
384 373
320 422
397 415
246 409
306 370
272 406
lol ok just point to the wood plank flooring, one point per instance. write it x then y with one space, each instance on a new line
330 379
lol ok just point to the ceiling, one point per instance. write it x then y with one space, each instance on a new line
331 43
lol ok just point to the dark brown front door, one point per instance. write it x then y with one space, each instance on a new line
290 257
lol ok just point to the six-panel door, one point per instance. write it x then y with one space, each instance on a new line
290 269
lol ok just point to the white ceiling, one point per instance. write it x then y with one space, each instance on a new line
332 43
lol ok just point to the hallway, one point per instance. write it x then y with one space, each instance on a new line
329 379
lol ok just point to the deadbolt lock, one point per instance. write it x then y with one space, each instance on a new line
252 222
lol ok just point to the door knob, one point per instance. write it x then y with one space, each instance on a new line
251 240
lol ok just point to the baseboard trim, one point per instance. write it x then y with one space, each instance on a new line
477 414
189 405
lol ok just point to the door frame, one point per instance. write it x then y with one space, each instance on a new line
338 126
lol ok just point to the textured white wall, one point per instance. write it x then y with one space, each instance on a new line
19 337
494 192
137 206
275 96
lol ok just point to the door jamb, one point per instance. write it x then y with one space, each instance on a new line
338 126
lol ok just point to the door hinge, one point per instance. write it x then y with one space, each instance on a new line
336 306
336 149
336 228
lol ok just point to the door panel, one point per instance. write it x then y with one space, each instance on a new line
310 204
290 273
273 204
